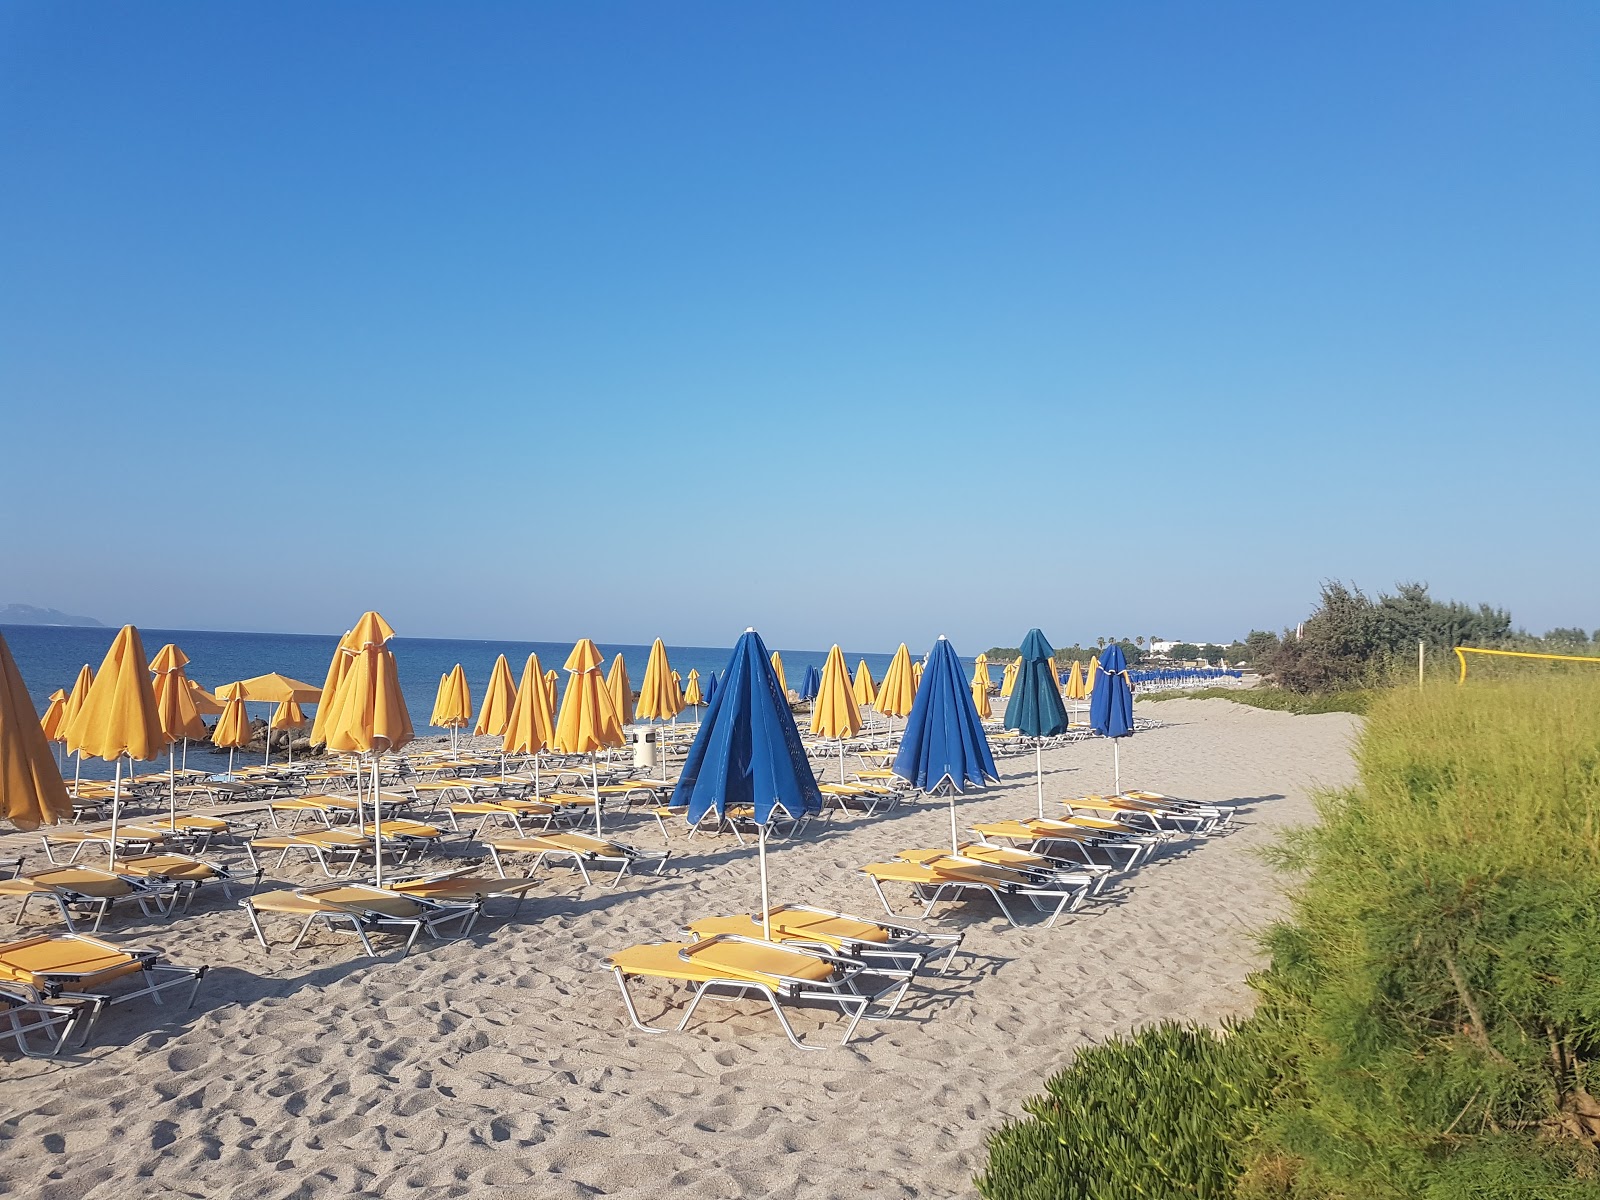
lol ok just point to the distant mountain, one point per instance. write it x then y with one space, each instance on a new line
27 614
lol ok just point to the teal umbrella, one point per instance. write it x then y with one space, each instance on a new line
1035 708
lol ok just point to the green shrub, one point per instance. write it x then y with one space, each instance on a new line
1441 974
1162 1113
1355 701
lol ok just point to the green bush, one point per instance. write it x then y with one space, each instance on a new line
1354 701
1441 974
1162 1113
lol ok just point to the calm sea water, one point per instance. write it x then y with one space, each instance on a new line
50 657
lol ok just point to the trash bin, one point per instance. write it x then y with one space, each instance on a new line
644 747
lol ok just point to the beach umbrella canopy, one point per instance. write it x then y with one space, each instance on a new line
205 703
944 742
898 691
1035 709
777 669
1075 688
531 727
55 717
456 694
338 668
617 683
287 715
809 683
77 697
711 686
32 792
552 683
371 716
916 675
232 731
498 698
175 706
587 722
748 751
1090 678
441 701
1009 679
119 717
835 713
980 700
658 696
692 695
980 670
866 691
1111 705
273 688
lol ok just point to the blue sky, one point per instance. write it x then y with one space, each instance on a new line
852 322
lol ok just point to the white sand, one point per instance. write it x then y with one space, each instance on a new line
503 1065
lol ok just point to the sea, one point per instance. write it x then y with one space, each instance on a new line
50 656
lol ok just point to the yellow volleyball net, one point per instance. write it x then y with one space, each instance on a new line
1491 656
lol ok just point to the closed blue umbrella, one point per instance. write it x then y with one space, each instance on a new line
1111 706
944 740
748 751
1035 708
708 689
811 684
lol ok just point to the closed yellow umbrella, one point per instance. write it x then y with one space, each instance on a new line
31 788
866 691
55 717
552 688
531 726
338 668
453 705
119 718
1009 679
916 676
498 698
441 701
180 719
371 716
677 693
288 715
980 670
777 665
232 730
980 697
588 723
1092 677
621 689
693 697
76 699
1075 689
898 691
658 697
834 712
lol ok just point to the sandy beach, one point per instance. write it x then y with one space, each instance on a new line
503 1064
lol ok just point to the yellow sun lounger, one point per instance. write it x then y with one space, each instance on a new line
365 908
462 887
131 839
330 847
583 850
897 946
186 871
1040 833
75 964
26 1014
731 967
871 799
954 877
87 889
1036 868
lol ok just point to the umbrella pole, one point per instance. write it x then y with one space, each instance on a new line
77 773
230 762
267 761
185 754
841 760
291 750
535 774
955 844
594 766
1038 766
1116 767
116 807
172 785
766 908
377 826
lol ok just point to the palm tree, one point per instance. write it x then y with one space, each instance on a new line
1139 642
1102 642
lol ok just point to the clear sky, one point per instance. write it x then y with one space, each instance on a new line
858 322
